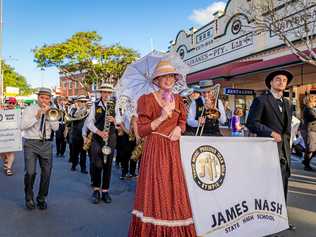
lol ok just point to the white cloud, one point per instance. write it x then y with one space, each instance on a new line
204 16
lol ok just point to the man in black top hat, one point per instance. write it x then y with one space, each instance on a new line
270 115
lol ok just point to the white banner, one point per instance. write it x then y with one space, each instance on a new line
235 186
10 133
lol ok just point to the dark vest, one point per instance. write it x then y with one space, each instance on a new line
99 123
211 127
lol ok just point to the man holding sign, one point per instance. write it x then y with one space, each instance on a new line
270 116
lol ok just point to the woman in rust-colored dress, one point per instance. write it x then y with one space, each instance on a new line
162 207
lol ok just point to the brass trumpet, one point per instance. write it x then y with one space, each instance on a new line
54 114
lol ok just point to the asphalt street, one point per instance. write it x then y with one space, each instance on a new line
71 214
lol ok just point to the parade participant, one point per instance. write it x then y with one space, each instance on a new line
270 116
124 147
76 140
162 206
101 123
309 116
37 146
199 115
9 157
87 139
71 111
60 133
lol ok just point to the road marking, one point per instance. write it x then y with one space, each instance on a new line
302 193
295 184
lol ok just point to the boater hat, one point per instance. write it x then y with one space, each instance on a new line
44 91
165 68
205 85
83 98
270 77
107 87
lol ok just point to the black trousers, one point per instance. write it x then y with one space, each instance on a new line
101 171
285 172
76 152
42 151
124 148
60 141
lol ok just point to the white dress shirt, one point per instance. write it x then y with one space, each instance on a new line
30 125
91 117
192 113
85 129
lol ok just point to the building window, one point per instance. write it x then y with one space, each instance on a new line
64 84
70 85
76 84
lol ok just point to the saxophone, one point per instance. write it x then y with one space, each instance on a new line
106 149
138 151
87 145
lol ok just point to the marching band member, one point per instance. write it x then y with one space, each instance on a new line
101 123
76 139
60 133
86 143
270 115
124 147
206 103
71 111
162 206
9 157
37 146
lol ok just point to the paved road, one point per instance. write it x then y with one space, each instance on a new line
70 213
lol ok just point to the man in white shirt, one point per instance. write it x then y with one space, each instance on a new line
37 145
196 118
102 114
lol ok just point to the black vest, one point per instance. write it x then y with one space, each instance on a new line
99 116
211 127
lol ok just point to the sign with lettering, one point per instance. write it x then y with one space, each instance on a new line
226 48
10 133
236 91
230 192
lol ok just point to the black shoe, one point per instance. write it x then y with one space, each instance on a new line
84 171
95 197
106 197
42 205
292 227
122 177
308 168
29 204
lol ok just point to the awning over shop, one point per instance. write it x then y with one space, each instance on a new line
240 68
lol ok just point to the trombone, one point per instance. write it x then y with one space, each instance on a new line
212 113
200 127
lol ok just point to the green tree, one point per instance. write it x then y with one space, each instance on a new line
12 78
84 53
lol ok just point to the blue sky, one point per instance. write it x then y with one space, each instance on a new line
31 23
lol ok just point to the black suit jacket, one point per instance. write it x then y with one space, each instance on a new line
265 117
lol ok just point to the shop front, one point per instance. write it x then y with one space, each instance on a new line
239 60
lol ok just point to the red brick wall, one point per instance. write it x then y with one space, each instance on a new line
73 91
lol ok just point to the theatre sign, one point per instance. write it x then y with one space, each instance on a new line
229 38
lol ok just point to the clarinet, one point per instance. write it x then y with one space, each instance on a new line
106 149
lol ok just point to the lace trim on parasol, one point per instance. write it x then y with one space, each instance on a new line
168 223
